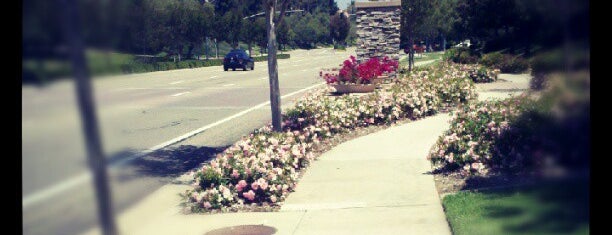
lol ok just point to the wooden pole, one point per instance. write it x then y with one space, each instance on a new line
87 108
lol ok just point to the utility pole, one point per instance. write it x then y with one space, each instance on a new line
87 108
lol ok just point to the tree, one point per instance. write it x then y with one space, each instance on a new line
231 25
414 12
285 34
352 35
270 7
320 22
305 29
260 33
339 26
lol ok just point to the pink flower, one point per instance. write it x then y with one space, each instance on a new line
262 183
273 198
207 205
240 186
249 195
235 174
255 185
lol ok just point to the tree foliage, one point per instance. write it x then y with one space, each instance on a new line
178 28
339 26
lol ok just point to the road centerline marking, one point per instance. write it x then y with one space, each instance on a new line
231 84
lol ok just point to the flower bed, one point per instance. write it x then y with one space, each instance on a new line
262 168
468 144
520 134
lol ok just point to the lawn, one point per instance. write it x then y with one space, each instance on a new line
545 208
424 57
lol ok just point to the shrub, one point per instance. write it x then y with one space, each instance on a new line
520 134
468 144
516 64
265 58
481 74
553 61
493 59
171 65
182 64
460 55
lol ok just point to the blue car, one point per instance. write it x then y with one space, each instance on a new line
238 58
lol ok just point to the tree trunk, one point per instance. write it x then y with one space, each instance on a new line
216 49
190 51
250 49
273 69
207 46
180 51
443 43
410 53
89 123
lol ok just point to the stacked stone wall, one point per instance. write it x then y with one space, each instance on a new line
378 32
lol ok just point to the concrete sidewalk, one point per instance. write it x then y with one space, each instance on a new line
376 184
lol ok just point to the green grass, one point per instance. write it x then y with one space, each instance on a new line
426 56
551 208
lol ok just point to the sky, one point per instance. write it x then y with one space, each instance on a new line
342 4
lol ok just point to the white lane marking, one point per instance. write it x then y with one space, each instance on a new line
180 94
214 77
304 70
77 180
150 88
231 84
177 82
58 188
263 78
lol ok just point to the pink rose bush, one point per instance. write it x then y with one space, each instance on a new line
468 145
450 81
263 167
522 134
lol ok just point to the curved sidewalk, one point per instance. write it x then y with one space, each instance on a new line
375 184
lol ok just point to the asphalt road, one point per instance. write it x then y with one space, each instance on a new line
136 113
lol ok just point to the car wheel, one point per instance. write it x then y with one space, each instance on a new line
224 68
234 69
244 68
253 66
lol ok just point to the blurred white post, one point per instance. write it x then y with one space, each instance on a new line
89 122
